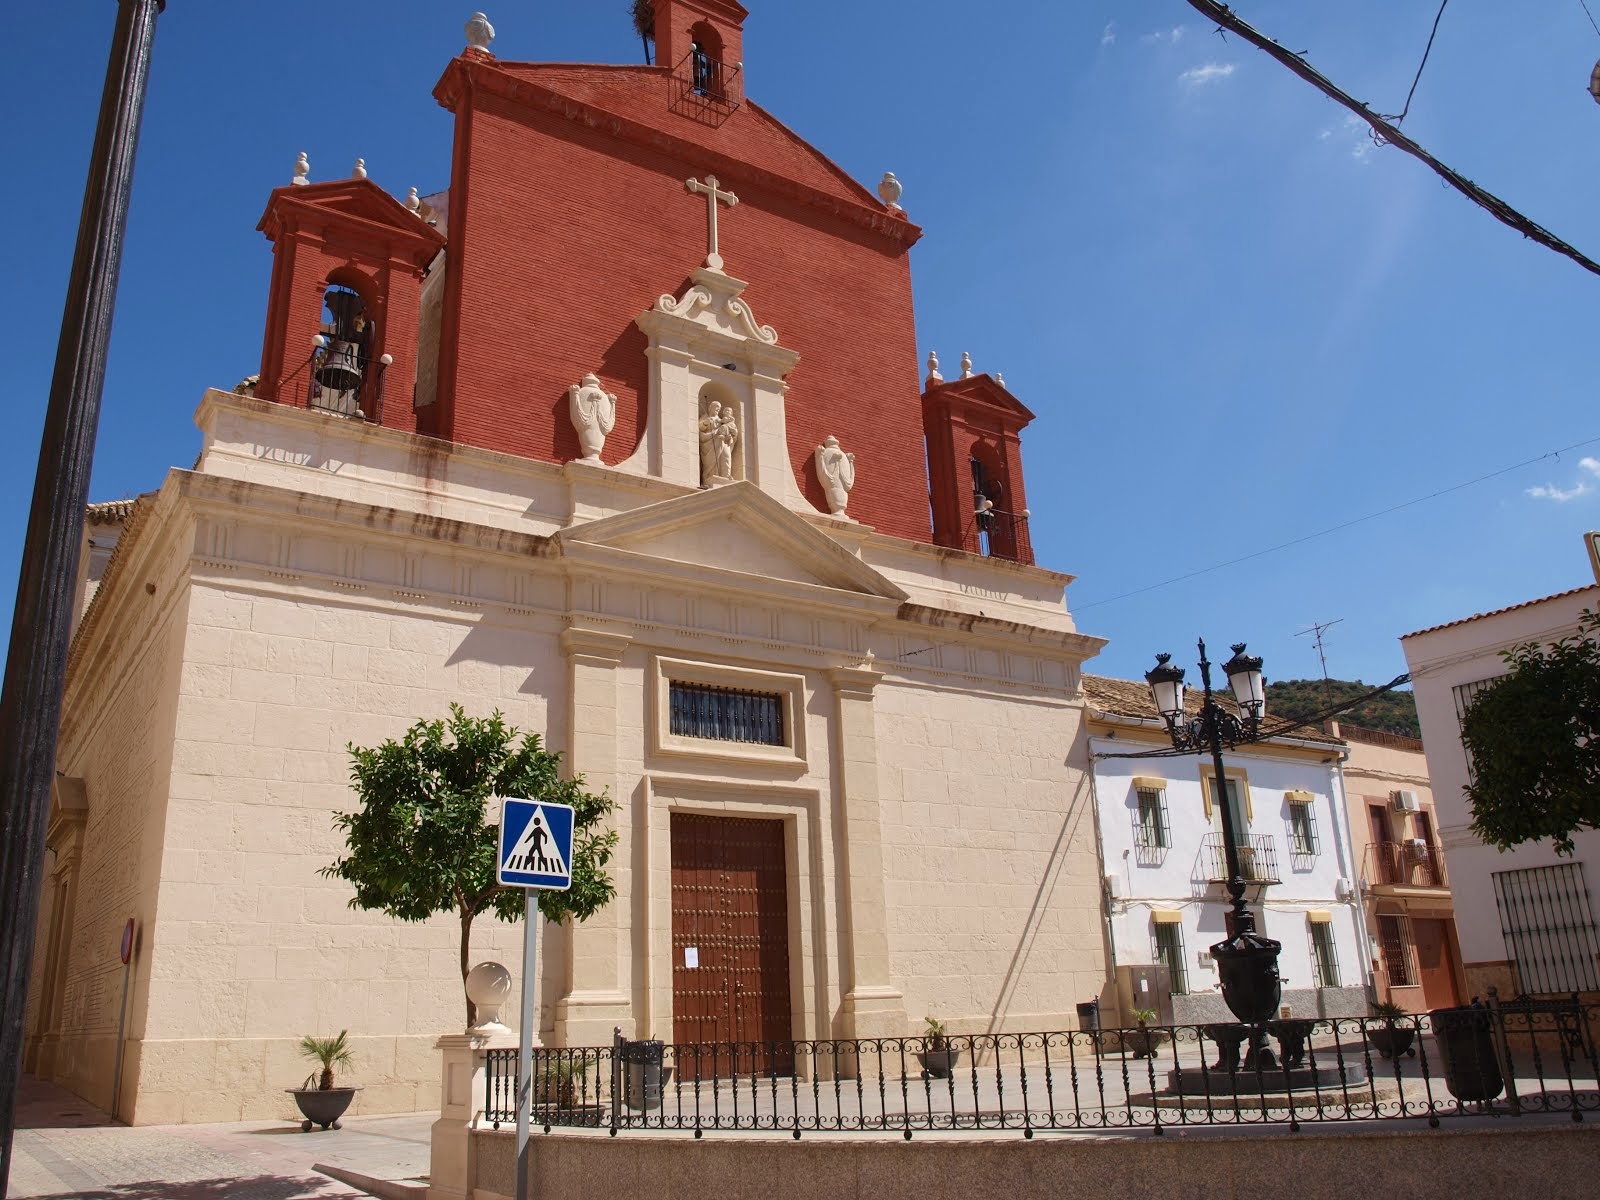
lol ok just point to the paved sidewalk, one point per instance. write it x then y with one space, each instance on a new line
67 1150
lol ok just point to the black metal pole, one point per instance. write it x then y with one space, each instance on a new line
30 706
1243 920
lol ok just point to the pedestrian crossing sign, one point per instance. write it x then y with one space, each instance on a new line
535 844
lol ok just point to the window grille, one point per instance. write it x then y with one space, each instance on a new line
1168 945
1324 955
1151 830
1303 839
1549 928
1394 936
1465 693
726 714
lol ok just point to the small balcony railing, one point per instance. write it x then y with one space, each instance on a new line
1405 864
700 82
341 377
1002 534
1258 859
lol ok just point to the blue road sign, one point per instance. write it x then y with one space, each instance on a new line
535 844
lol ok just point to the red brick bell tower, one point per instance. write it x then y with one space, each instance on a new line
344 302
973 426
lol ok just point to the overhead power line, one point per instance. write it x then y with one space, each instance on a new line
1390 134
1372 516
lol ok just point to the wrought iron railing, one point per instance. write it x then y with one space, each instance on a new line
1001 534
341 377
1405 864
700 81
1258 859
1455 1062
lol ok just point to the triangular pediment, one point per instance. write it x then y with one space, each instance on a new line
983 391
735 529
358 200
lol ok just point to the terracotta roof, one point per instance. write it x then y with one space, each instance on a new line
1495 612
1125 698
109 512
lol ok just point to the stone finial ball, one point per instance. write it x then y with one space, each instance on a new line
488 987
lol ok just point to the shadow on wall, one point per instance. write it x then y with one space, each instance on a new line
1071 819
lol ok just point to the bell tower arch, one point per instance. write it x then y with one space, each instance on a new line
345 299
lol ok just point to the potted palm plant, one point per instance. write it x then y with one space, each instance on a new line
938 1057
1391 1040
1143 1040
324 1104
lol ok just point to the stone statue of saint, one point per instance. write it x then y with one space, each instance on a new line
727 435
836 471
594 415
710 427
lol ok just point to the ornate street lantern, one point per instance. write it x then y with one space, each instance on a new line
1244 677
1166 688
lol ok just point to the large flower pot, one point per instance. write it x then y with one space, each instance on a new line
1391 1041
322 1107
938 1064
1466 1043
1143 1042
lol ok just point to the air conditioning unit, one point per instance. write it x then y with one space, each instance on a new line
1417 847
1343 888
1403 801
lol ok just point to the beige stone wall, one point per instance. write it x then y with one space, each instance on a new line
992 874
257 948
1411 1161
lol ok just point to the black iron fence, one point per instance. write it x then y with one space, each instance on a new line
1518 1058
1258 859
1405 864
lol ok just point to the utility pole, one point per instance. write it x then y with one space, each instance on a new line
35 676
1317 629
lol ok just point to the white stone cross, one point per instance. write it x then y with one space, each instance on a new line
712 193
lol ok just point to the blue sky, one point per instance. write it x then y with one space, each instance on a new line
1239 321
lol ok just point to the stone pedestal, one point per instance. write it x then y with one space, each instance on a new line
463 1077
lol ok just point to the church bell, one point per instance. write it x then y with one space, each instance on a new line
339 369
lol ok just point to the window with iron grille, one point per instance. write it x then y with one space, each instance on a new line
1465 693
1324 955
1303 830
1150 833
1549 928
1394 936
726 714
1168 946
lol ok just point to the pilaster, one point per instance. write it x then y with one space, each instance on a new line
594 1000
871 1006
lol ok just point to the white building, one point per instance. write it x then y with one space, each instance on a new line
1161 845
1526 917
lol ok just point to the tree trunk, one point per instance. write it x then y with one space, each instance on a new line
327 1079
466 959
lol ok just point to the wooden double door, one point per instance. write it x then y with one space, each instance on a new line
730 946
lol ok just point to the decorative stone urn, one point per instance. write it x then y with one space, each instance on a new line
488 987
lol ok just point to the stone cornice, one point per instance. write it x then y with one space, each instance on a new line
1077 646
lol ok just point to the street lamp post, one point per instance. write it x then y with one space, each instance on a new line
1247 961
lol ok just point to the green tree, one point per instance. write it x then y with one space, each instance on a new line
1533 737
422 841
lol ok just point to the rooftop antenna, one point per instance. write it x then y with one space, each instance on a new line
1318 629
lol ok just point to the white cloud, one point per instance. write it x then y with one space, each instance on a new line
1560 495
1169 37
1109 33
1591 465
1210 73
1352 135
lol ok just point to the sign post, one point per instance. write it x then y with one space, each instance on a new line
122 1012
535 855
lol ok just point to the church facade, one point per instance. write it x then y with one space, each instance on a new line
622 435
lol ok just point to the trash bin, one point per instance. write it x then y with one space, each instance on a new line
1089 1016
641 1061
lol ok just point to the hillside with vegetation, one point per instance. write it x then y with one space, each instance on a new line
1297 699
